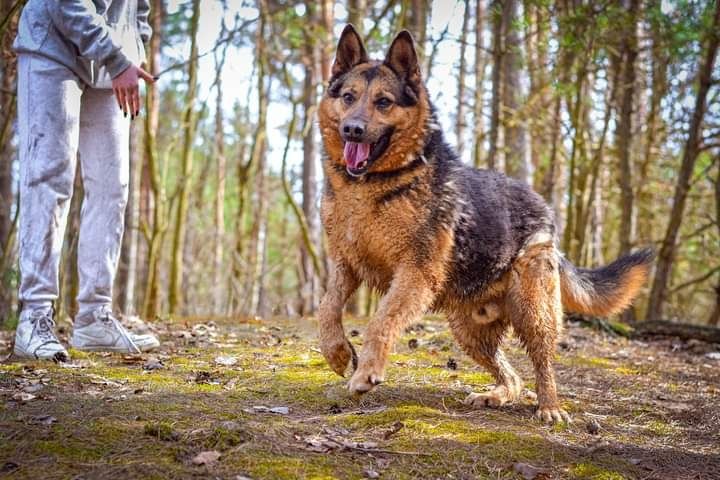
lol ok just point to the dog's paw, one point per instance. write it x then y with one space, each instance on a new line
338 355
552 415
364 380
495 398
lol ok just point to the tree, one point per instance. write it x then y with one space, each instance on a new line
690 153
175 299
460 110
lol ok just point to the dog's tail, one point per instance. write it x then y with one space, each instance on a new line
606 290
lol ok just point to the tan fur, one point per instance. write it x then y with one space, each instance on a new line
376 243
577 300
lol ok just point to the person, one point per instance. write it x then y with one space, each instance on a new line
79 66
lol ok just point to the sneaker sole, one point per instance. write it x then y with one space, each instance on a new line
56 357
104 349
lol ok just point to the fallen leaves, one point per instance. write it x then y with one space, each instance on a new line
153 363
206 458
226 361
45 420
264 409
529 472
24 397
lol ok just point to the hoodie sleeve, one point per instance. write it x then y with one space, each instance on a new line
79 22
143 24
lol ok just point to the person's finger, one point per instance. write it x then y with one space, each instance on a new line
123 100
116 91
145 75
136 100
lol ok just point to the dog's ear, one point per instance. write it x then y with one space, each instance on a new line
402 58
350 51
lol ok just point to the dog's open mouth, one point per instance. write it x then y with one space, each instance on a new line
356 158
360 156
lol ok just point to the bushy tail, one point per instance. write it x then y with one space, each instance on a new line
606 290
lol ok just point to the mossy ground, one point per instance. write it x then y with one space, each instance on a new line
106 416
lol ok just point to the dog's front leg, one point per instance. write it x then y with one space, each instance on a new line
336 348
409 296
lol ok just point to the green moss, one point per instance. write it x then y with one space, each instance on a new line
161 430
661 428
627 371
593 362
588 471
310 467
79 354
622 329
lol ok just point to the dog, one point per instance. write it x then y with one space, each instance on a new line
404 215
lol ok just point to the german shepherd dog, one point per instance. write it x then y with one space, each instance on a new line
404 215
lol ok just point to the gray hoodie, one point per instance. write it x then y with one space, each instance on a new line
79 33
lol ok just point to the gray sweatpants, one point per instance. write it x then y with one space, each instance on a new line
60 117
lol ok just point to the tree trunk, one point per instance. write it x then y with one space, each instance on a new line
357 10
154 233
220 172
494 160
8 74
418 26
259 148
127 267
624 128
690 154
517 159
460 110
175 299
480 60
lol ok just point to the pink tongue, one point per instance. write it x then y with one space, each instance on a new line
356 154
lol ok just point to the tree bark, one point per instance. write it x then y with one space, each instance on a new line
462 67
8 74
259 149
494 160
667 251
517 159
480 60
624 128
176 297
155 233
220 172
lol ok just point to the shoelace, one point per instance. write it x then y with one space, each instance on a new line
109 319
44 326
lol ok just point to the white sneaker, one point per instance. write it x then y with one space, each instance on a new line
35 337
100 331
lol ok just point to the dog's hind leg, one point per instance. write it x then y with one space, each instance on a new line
534 308
482 343
335 346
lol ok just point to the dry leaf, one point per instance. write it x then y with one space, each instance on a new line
206 458
24 397
226 361
527 471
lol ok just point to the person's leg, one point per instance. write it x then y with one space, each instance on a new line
48 120
104 158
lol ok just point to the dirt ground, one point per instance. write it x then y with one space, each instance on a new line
237 400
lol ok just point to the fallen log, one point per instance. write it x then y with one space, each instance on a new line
684 331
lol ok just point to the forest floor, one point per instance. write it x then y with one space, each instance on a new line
238 400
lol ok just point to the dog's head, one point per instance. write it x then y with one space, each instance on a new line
374 114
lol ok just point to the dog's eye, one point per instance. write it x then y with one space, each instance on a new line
383 103
348 98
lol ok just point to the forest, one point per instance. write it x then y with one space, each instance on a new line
609 109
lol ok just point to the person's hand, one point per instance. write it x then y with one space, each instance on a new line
127 90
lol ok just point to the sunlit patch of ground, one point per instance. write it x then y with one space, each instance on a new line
260 395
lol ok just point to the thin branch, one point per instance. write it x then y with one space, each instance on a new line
695 280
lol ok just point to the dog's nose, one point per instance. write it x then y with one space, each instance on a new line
354 128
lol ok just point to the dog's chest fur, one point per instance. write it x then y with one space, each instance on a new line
375 225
